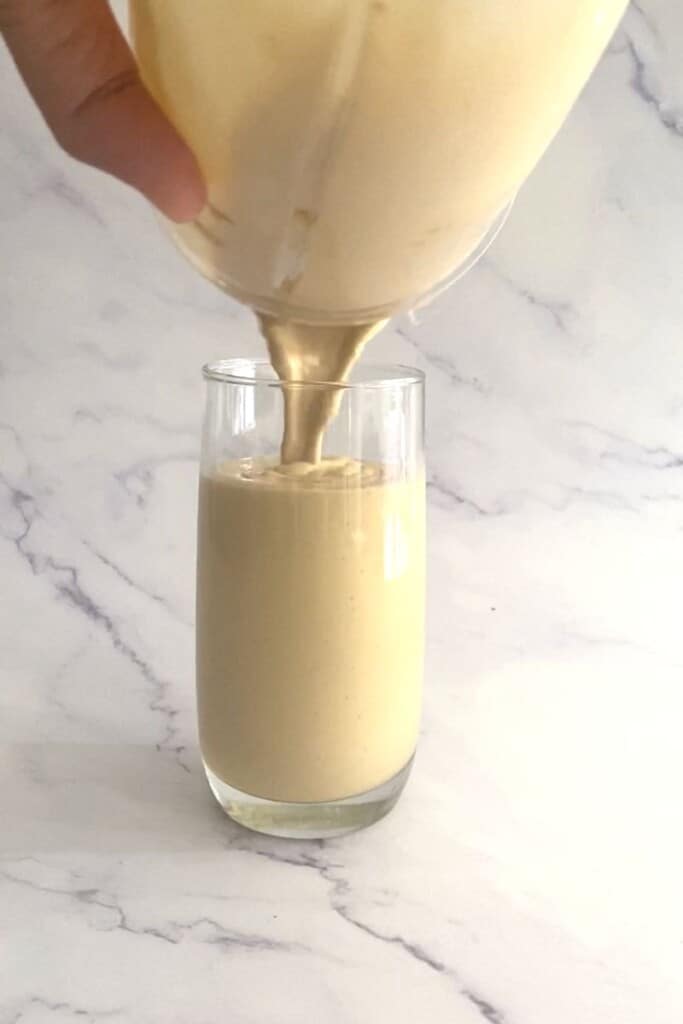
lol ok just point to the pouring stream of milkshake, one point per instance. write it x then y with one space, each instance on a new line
304 353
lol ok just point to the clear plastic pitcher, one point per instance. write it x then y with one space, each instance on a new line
359 153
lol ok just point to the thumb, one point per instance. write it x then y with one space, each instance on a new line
84 78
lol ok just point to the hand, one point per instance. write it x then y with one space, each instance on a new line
83 77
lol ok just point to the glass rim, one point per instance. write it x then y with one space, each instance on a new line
380 375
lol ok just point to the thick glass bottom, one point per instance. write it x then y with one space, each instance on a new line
308 820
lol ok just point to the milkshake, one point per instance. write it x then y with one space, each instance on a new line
310 626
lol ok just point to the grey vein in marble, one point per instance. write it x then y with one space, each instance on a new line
645 81
137 480
61 1011
136 585
202 929
66 581
617 448
339 891
452 496
561 314
442 363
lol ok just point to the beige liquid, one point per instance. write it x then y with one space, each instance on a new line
356 151
300 352
310 627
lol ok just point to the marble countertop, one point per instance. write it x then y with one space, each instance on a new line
532 872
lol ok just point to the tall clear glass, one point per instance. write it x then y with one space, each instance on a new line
310 600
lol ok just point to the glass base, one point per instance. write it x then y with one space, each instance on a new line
308 820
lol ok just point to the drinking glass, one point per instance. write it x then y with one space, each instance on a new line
310 600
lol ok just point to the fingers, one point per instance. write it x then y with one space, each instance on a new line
83 77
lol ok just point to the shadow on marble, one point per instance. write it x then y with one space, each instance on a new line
107 798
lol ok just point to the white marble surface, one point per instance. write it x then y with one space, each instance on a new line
532 873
